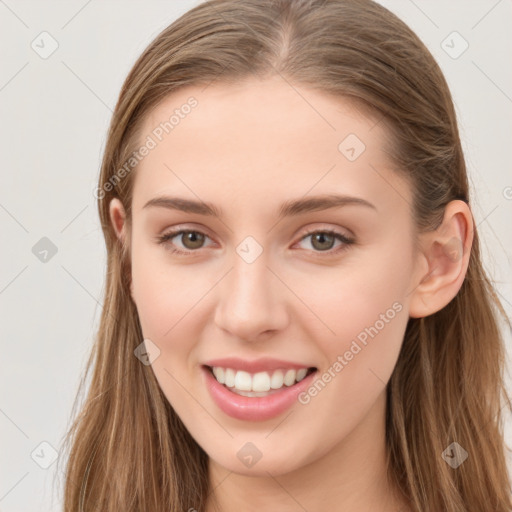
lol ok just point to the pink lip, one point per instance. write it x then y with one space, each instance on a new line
254 408
258 365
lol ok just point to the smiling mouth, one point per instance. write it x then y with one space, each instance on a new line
258 384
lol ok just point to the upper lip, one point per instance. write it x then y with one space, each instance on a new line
257 365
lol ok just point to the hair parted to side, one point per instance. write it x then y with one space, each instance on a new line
128 450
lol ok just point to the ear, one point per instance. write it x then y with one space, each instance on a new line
444 261
118 220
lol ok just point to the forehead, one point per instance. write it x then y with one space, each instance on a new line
254 142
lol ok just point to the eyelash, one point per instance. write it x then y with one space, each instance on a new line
162 239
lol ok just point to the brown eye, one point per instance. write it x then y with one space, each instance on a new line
322 241
325 241
192 239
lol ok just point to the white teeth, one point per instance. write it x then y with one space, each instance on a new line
301 374
229 377
289 377
260 382
219 374
243 381
277 380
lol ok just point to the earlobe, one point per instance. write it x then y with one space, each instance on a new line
117 218
446 252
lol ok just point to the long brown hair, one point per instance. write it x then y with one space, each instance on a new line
128 450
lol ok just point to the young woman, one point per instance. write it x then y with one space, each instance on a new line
296 315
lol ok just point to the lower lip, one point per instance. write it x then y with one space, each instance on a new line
254 408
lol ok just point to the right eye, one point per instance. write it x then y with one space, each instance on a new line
193 238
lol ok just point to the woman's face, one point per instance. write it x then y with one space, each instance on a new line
254 284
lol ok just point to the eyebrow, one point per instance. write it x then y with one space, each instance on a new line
289 208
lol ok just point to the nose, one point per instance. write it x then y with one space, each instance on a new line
252 301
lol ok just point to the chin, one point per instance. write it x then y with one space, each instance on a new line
271 463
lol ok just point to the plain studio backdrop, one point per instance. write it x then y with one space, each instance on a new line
62 67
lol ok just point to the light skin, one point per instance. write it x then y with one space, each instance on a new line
247 148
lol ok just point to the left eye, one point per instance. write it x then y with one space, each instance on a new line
324 240
321 241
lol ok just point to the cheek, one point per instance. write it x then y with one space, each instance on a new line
173 305
163 293
367 312
348 298
168 301
361 318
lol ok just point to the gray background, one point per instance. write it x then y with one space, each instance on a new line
54 115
